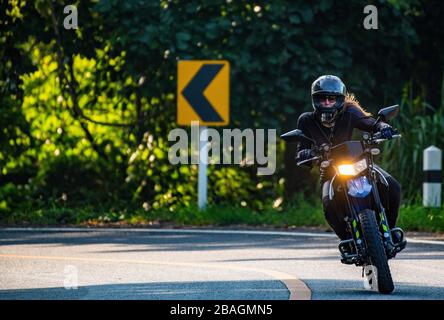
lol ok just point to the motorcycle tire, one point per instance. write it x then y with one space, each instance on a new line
376 251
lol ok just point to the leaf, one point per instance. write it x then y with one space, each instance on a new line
295 19
325 5
183 36
307 15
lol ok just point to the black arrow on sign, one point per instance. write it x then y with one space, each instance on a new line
193 92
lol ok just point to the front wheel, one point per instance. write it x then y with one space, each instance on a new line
376 251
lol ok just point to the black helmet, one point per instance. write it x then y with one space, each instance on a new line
328 86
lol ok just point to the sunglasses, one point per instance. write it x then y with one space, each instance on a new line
327 97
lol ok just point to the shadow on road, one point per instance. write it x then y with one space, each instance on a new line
164 241
212 290
354 290
323 289
170 241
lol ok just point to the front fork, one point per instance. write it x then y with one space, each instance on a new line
386 232
356 232
359 254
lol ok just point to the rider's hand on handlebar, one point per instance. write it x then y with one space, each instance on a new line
387 132
305 154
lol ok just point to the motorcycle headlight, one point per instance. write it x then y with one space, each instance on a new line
352 169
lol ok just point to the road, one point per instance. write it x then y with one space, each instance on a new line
197 264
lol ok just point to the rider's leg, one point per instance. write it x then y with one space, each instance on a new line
391 200
390 197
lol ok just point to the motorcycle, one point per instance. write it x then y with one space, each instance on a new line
372 243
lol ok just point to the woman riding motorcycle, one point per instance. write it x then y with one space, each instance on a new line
332 121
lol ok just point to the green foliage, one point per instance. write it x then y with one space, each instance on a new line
275 49
421 126
85 113
302 214
418 218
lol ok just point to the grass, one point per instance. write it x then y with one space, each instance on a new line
296 214
418 218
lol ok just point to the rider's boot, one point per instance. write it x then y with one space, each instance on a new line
346 248
398 239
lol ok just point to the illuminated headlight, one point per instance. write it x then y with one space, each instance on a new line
352 169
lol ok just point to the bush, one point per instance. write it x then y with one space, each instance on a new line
417 218
421 126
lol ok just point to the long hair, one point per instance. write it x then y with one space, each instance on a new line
350 100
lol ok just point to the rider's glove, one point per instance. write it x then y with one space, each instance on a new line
305 154
387 132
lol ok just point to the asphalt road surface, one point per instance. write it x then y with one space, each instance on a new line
193 264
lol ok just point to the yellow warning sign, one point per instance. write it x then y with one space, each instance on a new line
203 92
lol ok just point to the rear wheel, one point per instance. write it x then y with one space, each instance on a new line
376 250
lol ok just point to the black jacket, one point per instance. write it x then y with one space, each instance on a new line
352 117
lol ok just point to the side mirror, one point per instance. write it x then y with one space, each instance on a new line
296 136
388 113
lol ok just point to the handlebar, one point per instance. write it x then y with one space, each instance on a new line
374 140
378 140
307 160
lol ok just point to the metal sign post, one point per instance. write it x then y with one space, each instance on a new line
203 162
